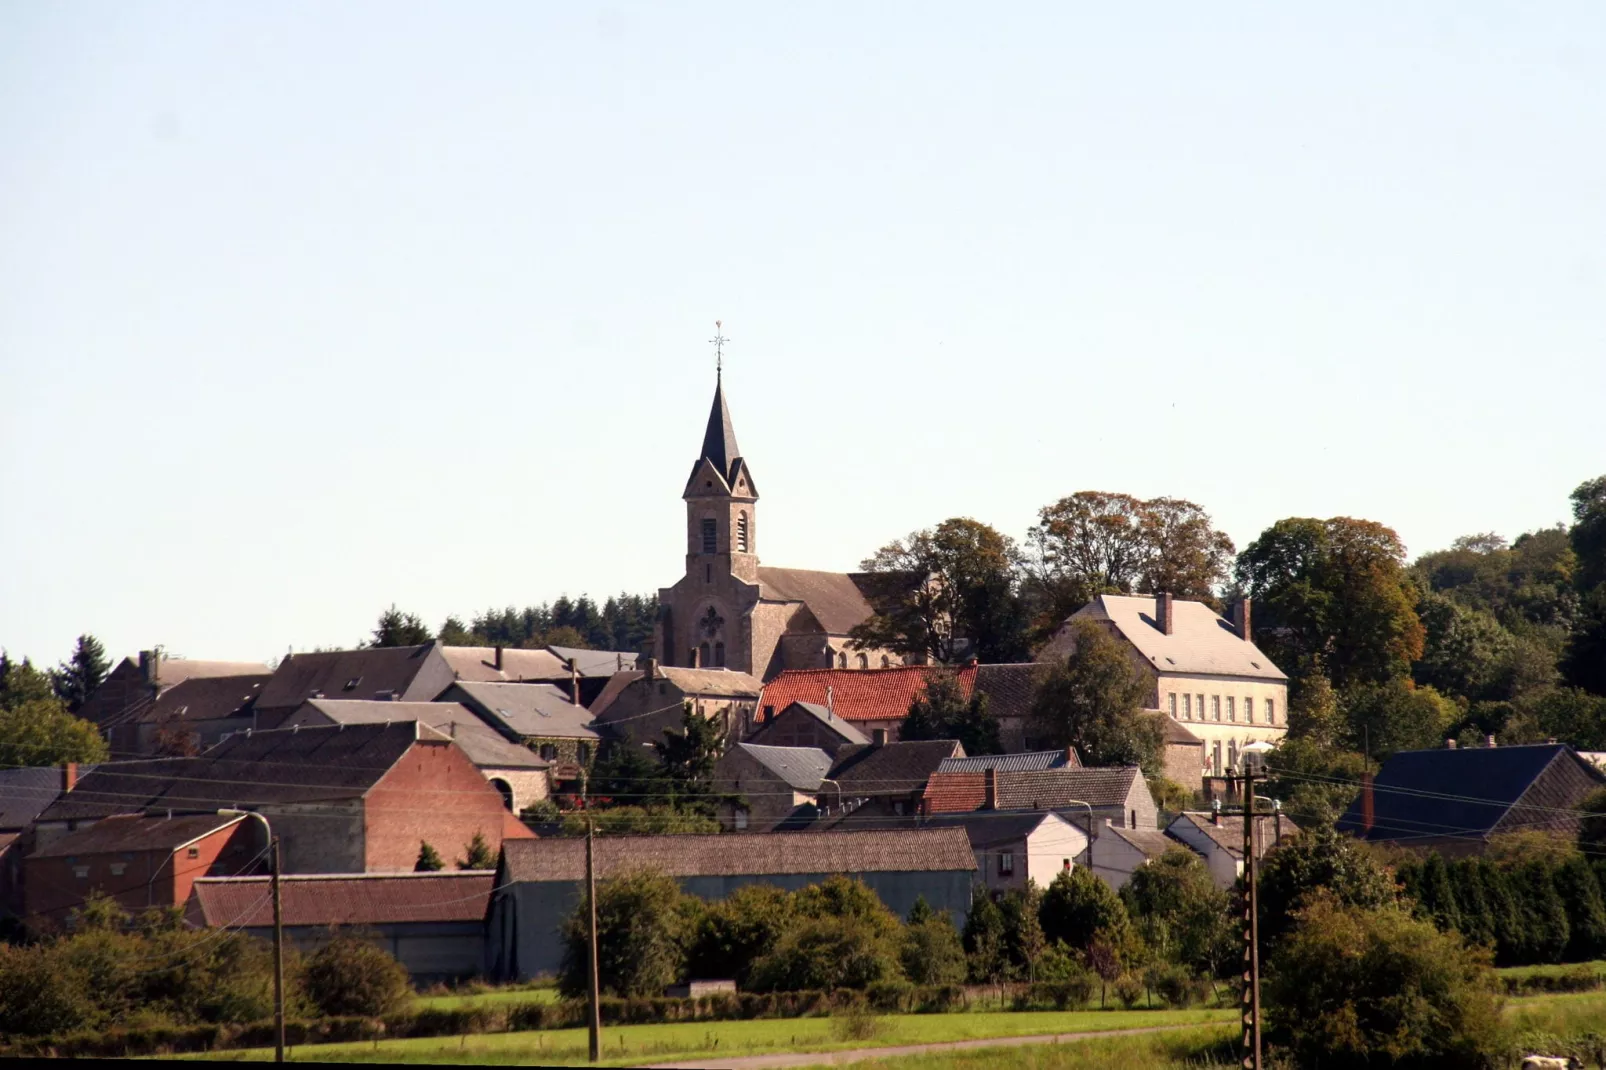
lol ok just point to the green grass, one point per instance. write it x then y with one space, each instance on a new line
1184 1049
1563 1013
1556 970
494 998
631 1044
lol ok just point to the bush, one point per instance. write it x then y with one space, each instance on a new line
1130 990
351 976
1078 909
828 954
735 932
1173 984
932 952
641 937
36 997
857 1024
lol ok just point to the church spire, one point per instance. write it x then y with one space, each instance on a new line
719 441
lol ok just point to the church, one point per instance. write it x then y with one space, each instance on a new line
728 611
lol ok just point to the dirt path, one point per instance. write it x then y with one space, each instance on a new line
838 1058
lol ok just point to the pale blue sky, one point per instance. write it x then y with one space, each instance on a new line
309 308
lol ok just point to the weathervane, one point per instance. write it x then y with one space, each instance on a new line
718 342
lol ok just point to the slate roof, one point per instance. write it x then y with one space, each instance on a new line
749 854
304 765
595 662
25 793
116 834
343 899
199 698
989 828
528 710
1229 835
1469 791
890 769
479 663
416 673
1020 762
1200 643
486 747
861 694
1178 734
798 767
839 601
719 438
1152 842
841 726
1009 688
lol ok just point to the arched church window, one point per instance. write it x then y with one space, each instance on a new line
864 661
741 531
710 535
886 662
719 654
842 660
702 656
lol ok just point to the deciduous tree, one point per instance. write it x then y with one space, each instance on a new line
1093 701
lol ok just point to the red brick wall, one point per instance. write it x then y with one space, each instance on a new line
434 794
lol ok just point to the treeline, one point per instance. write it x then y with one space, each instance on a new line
37 726
622 622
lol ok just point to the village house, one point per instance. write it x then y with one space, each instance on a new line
1120 852
883 779
24 795
807 724
1014 847
1219 839
539 882
1081 796
1422 799
140 862
639 705
432 923
343 799
575 671
541 716
769 787
133 687
185 718
1203 673
380 674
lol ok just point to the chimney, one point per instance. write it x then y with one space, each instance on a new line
1490 739
150 666
574 682
878 737
990 792
830 700
1071 759
498 657
1449 744
652 668
1368 804
972 662
1163 615
69 776
696 658
1215 812
1241 620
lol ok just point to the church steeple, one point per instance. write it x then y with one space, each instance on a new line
719 441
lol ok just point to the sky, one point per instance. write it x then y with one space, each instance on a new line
307 309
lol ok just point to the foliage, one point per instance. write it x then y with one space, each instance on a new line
541 812
1318 860
351 975
1362 987
1180 913
78 677
941 711
688 756
1078 910
1585 662
640 821
1332 597
828 953
932 952
1169 795
1024 941
1573 715
947 585
642 937
986 954
1314 781
1592 826
1093 700
738 930
624 622
20 682
628 774
42 732
396 628
1395 716
477 854
429 859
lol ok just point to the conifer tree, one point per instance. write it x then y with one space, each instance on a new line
985 952
429 859
1438 895
1580 893
1476 923
480 855
1545 932
1505 916
78 677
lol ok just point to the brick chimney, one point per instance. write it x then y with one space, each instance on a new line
878 737
69 776
1215 812
498 659
652 668
990 790
1368 804
1071 758
150 666
1449 744
574 682
1164 613
1490 740
1241 622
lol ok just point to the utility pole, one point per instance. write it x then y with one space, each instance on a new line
1249 1006
591 903
278 957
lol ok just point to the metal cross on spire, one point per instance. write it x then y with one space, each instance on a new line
718 342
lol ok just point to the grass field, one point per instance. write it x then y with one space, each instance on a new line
1184 1049
495 997
1524 972
633 1044
1562 1013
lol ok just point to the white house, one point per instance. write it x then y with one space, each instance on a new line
1219 839
1015 847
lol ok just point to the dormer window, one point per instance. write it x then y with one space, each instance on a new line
710 535
351 685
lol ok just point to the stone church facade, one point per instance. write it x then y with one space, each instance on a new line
729 611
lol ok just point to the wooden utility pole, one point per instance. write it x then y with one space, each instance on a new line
591 928
278 958
1249 1006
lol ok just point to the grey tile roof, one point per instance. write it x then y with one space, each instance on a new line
1020 762
1009 688
527 710
416 673
1152 842
890 769
116 834
479 663
1200 643
743 854
25 793
798 767
1057 787
199 698
595 662
987 828
485 746
840 726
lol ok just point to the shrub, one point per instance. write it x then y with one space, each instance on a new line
641 937
857 1024
351 976
1173 984
735 932
932 953
828 954
1078 909
1130 990
36 997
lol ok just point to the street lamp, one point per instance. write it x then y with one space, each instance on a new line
278 931
1092 834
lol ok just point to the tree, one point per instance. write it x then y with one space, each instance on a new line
1188 557
688 756
1314 779
1464 650
1024 941
478 854
78 677
1078 909
1333 597
1592 826
1544 930
1585 663
429 859
1180 912
1572 715
1318 860
1436 895
628 774
933 953
986 955
737 931
1588 533
941 711
1585 907
41 732
1396 716
824 954
455 633
20 682
642 936
349 975
943 585
396 628
1093 701
1360 987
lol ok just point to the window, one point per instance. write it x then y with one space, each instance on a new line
1134 823
1232 708
741 531
710 535
81 872
1201 708
1172 701
719 653
1215 759
1271 712
1215 707
549 752
1006 863
886 662
842 660
118 868
702 656
1232 753
1249 710
864 661
193 852
1187 707
897 807
584 753
741 820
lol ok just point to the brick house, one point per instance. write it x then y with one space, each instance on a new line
25 793
343 799
141 862
639 705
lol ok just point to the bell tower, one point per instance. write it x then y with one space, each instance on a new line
721 504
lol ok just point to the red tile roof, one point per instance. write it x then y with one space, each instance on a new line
953 793
860 694
343 899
